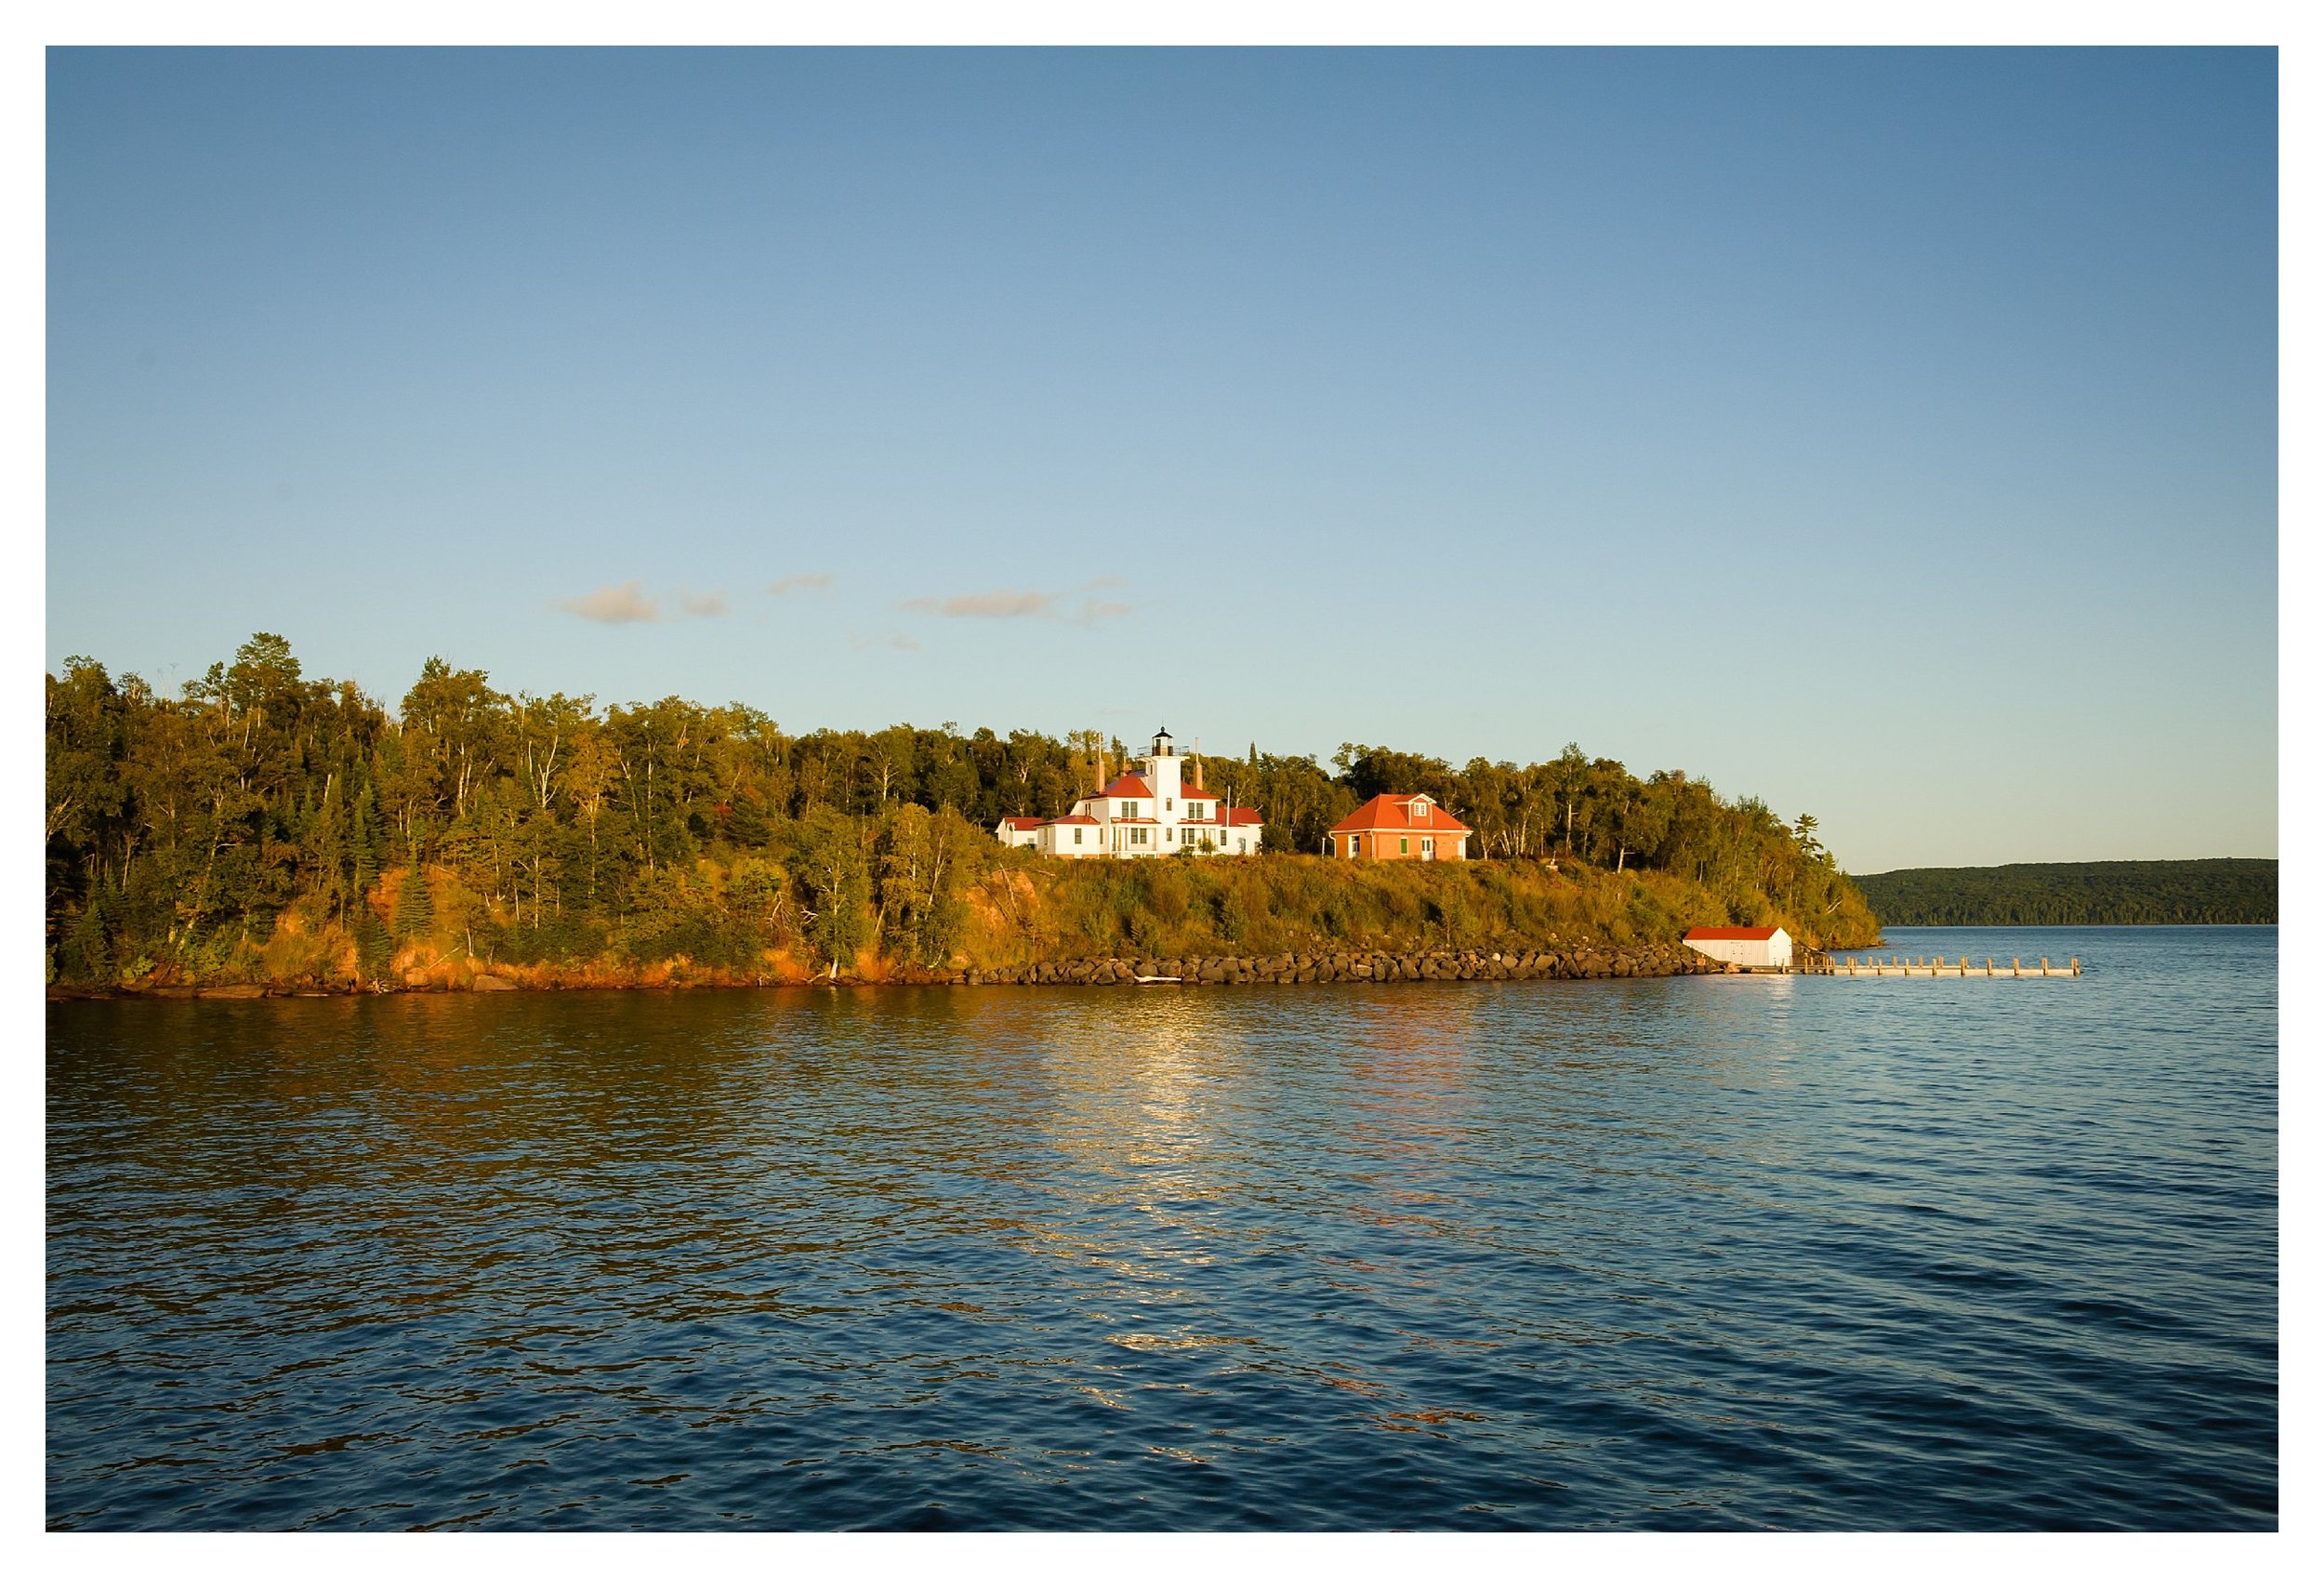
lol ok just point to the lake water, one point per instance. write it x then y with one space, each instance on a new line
1705 1252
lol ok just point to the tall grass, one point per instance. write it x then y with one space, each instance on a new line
1024 910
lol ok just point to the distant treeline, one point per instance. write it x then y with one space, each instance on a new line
2089 892
265 822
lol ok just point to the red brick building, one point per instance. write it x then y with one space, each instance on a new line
1401 826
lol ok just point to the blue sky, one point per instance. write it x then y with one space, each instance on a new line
1888 434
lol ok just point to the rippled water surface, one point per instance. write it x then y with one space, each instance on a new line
1704 1252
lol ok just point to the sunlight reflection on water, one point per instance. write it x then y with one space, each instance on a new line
1705 1252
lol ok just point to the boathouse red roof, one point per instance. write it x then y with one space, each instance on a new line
1242 816
1129 786
1731 933
1023 823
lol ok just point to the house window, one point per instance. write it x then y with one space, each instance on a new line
1076 835
1166 805
1125 809
1404 846
1356 842
1428 846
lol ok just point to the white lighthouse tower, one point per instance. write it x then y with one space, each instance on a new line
1148 811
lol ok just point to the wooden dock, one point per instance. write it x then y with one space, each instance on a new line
1966 969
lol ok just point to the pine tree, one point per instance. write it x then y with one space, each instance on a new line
373 949
414 912
362 859
87 955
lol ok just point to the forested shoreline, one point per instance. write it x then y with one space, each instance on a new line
2089 892
266 827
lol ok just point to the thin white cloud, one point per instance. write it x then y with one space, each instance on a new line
892 643
985 605
709 605
1092 611
623 605
790 584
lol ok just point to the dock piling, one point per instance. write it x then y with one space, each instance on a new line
1935 965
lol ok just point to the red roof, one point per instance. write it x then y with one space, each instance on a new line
1731 933
1022 823
1072 821
1242 816
1129 786
1397 811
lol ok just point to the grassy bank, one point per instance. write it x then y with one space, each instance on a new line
1006 911
1029 911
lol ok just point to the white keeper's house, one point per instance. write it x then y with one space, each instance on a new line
1148 810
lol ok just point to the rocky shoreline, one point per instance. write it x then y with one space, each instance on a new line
1562 962
1299 969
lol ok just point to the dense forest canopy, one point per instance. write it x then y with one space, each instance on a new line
2091 893
262 819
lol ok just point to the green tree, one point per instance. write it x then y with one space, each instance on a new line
920 881
88 952
759 890
414 915
831 858
373 949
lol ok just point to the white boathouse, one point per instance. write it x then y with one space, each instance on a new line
1748 948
